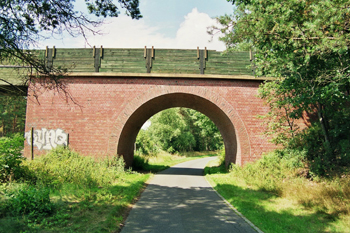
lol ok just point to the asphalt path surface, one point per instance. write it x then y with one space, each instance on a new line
180 200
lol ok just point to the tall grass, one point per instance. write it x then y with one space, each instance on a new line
278 194
62 166
64 191
285 175
329 196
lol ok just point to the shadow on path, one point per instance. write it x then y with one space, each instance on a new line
180 200
174 209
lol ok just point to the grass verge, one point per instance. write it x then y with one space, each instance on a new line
66 192
81 209
276 199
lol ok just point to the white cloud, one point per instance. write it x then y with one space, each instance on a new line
123 32
193 32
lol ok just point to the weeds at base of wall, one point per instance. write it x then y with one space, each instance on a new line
61 166
67 191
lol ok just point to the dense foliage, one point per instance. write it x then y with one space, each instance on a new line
30 201
305 45
178 130
52 171
24 22
12 114
11 158
62 190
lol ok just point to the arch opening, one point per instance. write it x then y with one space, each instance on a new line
178 130
134 123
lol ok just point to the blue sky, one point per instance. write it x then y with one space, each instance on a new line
168 15
179 24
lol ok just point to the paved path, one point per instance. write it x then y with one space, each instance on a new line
180 200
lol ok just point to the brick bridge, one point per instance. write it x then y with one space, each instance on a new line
115 91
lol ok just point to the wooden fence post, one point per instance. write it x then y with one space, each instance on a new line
32 142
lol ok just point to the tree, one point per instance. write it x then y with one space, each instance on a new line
280 124
207 135
179 130
24 22
171 131
304 44
145 143
12 114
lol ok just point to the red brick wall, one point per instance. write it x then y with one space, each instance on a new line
104 104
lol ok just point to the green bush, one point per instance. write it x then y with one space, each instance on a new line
11 158
140 162
324 158
30 201
114 163
62 165
145 144
291 158
269 172
222 155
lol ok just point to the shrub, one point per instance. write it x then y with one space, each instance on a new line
269 172
222 156
62 165
140 162
292 158
30 201
115 163
11 158
279 172
325 158
145 144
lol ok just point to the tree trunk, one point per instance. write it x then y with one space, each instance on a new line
323 124
14 123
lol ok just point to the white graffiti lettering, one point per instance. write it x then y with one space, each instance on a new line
47 139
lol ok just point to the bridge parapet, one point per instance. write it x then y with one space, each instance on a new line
116 60
161 61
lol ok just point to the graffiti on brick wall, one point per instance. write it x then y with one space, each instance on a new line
45 139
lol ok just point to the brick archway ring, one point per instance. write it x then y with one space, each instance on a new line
156 99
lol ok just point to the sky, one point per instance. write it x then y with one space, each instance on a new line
173 24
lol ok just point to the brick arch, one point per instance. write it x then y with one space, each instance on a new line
158 98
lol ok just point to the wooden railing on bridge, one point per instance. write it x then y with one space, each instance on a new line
146 60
